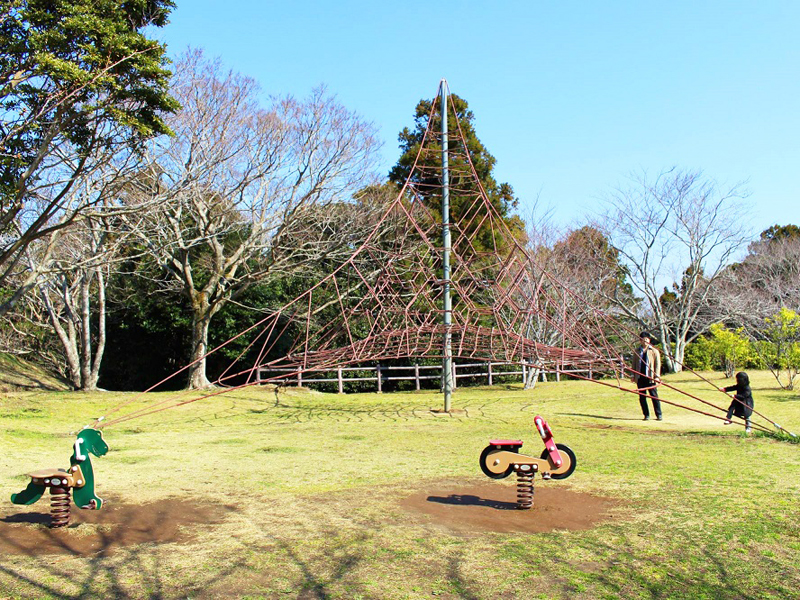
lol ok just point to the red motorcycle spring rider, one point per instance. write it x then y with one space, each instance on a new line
501 458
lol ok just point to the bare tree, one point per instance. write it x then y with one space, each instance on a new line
75 282
573 273
679 231
70 266
234 185
756 288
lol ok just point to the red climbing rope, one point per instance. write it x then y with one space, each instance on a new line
384 302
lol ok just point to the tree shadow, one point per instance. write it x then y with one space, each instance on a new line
32 518
603 417
133 573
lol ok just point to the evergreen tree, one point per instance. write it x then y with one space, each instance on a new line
80 83
463 189
780 232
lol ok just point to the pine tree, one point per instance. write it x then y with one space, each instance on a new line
462 185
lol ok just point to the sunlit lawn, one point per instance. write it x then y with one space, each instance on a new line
316 479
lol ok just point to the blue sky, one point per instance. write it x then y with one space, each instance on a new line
570 97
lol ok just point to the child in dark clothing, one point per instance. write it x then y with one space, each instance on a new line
742 405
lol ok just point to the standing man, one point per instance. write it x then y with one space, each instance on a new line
647 374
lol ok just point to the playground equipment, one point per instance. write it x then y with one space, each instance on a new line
501 458
79 477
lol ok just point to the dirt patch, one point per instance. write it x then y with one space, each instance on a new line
493 507
101 532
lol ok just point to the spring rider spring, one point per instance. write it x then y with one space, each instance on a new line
501 458
79 477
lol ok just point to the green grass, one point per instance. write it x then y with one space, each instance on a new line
703 511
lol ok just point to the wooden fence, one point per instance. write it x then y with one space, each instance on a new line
417 373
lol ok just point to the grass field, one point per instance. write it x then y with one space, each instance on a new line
309 485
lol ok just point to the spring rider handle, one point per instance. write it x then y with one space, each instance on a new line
77 446
547 438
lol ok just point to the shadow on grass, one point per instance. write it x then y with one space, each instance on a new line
134 572
265 411
778 436
604 417
785 398
34 518
625 568
318 585
459 583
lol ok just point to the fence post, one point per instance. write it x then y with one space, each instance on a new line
416 375
378 372
299 377
558 371
524 375
489 373
590 370
455 379
339 375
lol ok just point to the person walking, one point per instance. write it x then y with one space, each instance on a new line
647 374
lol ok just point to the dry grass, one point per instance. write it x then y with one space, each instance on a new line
316 478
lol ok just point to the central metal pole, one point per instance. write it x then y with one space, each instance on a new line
447 361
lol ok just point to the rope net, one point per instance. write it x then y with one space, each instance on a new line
385 301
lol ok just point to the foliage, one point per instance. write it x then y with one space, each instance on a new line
780 232
722 349
148 330
780 346
77 78
700 355
150 335
732 348
463 187
72 62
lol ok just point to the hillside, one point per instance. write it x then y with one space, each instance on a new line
19 374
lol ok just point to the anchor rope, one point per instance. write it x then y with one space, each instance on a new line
585 333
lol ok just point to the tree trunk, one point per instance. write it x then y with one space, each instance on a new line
201 317
101 329
67 338
70 342
532 376
680 346
91 358
672 361
85 332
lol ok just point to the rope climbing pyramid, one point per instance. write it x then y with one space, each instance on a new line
423 286
389 299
